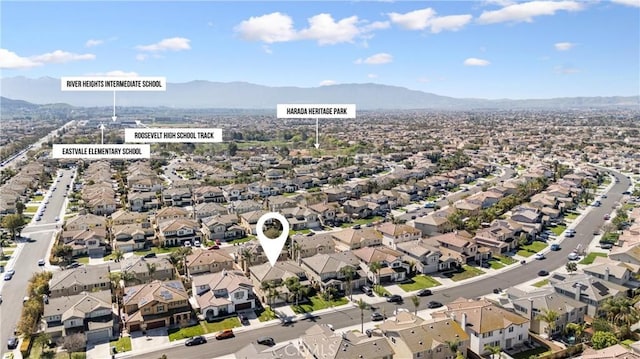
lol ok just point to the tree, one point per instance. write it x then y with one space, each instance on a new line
64 253
118 255
74 343
375 267
601 340
416 303
232 148
571 267
42 339
621 312
454 347
577 329
14 223
246 256
348 272
362 305
20 207
494 350
549 316
294 287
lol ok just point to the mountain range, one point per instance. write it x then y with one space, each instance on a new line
243 95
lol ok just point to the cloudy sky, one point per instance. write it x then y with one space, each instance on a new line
484 49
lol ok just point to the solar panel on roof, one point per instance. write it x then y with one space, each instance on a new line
602 289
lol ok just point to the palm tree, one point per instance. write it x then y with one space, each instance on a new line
293 286
494 350
151 267
577 329
375 267
416 303
267 288
348 273
295 251
362 305
454 346
118 255
549 316
621 312
246 255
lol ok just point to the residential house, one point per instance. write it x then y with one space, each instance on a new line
327 212
300 218
170 213
83 279
89 242
435 222
351 238
86 221
144 270
393 233
177 197
249 220
425 256
209 209
90 313
325 270
310 245
222 227
176 232
222 293
586 289
132 237
617 351
460 246
357 209
610 270
276 275
155 305
142 201
393 267
321 342
202 261
208 194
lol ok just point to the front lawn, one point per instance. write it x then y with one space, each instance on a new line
495 264
241 240
362 221
37 198
301 231
210 327
610 237
589 258
83 259
532 353
267 314
466 272
156 250
557 230
122 345
381 291
419 282
531 249
31 209
505 260
187 332
541 283
571 215
318 303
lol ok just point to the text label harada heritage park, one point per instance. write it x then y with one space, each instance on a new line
316 111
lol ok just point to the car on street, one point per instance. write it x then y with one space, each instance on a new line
555 247
40 262
424 292
266 341
8 276
150 255
195 341
0 298
573 256
543 273
12 343
607 217
394 299
539 256
11 272
433 304
225 334
375 316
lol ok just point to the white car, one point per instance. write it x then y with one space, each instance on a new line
573 256
196 244
539 256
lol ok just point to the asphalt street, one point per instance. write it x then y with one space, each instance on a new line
40 235
347 317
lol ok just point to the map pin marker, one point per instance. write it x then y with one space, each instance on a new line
272 247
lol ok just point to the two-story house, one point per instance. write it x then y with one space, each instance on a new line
156 305
393 267
176 232
392 234
221 293
276 275
351 238
325 270
144 270
202 261
83 279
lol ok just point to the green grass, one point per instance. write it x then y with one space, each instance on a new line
187 332
535 352
505 260
589 258
267 315
490 177
557 230
38 198
64 355
318 303
381 291
122 345
495 264
419 282
241 240
83 259
610 237
541 283
627 343
571 216
157 250
31 209
302 231
232 322
531 249
361 222
466 273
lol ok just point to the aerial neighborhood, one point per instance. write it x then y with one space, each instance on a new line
420 238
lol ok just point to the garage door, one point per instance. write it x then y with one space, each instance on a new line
98 336
157 324
134 327
242 306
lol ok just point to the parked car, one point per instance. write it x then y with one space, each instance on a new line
424 292
555 247
12 343
227 333
606 245
394 299
543 273
243 319
375 316
433 304
195 341
150 255
539 256
40 262
607 217
573 256
8 276
214 247
367 290
266 341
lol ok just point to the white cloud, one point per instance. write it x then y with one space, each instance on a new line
170 44
267 49
498 2
426 18
60 57
115 73
635 3
93 42
372 76
565 70
563 46
141 57
525 12
377 59
11 60
327 83
270 28
472 61
323 28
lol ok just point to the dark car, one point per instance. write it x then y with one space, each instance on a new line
375 316
195 341
150 255
12 343
433 304
606 245
424 292
243 319
266 341
227 333
543 273
394 299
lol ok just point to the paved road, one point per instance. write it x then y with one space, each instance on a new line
344 318
22 155
40 235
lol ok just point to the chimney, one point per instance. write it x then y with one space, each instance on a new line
463 322
578 292
606 274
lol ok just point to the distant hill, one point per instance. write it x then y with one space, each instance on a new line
7 104
236 95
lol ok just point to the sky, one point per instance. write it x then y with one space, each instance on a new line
468 49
